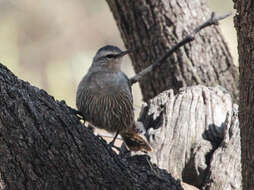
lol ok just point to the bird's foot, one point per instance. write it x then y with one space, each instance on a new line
77 113
111 145
74 111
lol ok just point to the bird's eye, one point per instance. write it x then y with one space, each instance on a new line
110 55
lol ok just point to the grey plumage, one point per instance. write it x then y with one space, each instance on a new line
104 94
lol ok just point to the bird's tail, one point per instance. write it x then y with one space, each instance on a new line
135 142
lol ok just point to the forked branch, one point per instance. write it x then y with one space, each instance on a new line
211 21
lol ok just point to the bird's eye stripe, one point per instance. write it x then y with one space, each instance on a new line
110 55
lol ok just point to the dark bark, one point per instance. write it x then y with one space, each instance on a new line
44 146
245 27
195 136
154 26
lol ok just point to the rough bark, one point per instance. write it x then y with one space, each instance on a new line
154 26
195 136
44 146
245 27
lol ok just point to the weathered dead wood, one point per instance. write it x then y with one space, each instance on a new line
43 145
225 164
192 138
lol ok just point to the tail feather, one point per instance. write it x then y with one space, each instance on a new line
135 142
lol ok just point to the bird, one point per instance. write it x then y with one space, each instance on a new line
104 98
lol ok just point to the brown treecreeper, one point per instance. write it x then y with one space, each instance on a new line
104 98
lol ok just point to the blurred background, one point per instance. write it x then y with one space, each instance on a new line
51 43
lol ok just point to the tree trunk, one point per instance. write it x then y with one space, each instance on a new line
154 26
44 146
195 136
245 27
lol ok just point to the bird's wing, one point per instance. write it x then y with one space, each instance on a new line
129 84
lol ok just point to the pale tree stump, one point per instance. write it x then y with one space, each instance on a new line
195 136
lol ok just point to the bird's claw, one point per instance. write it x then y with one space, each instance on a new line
111 145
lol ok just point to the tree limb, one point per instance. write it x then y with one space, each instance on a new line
211 21
44 146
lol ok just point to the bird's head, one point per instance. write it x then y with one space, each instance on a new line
109 57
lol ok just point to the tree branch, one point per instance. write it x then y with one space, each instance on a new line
44 146
211 21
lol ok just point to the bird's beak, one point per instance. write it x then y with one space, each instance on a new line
123 53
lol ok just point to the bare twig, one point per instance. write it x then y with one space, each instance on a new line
211 21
